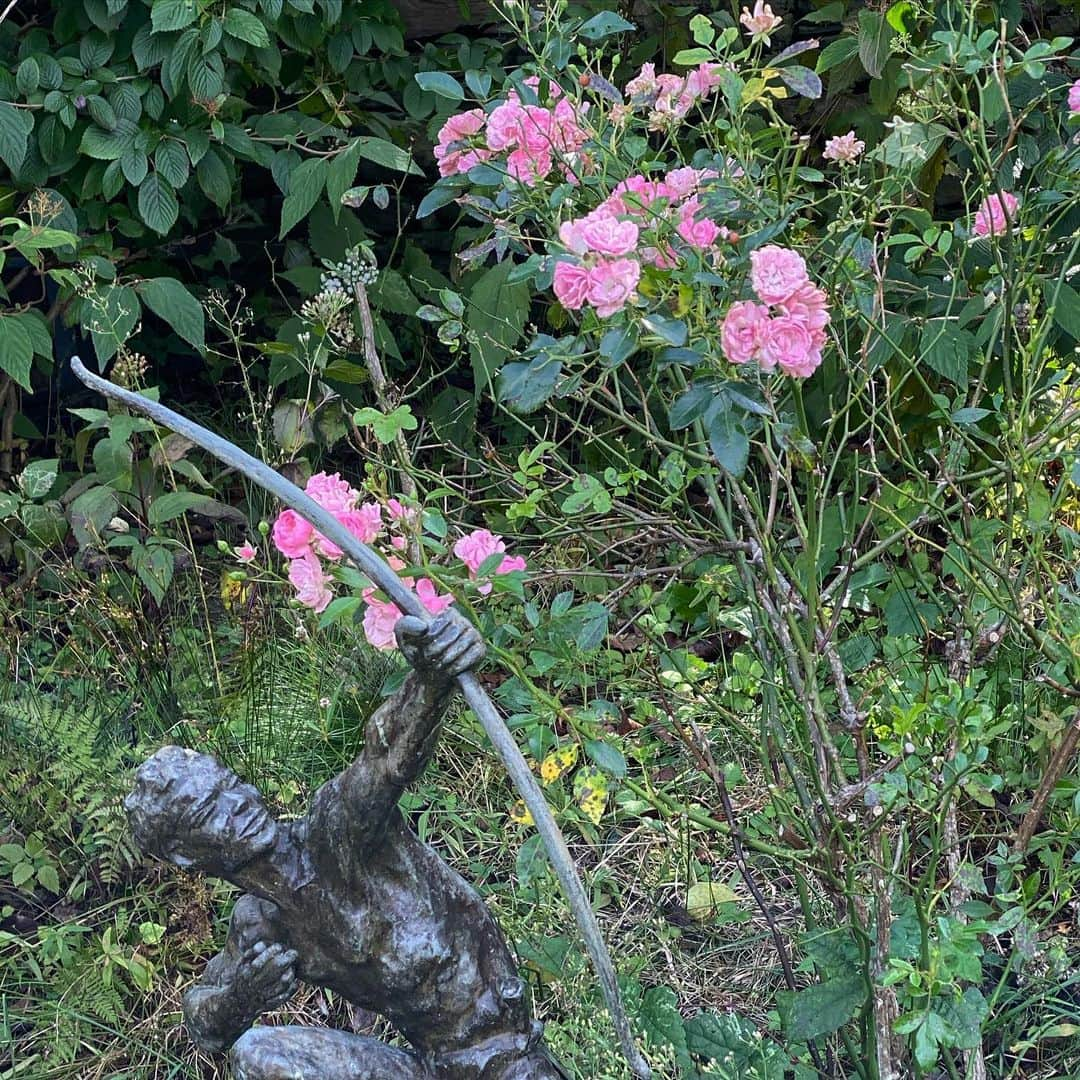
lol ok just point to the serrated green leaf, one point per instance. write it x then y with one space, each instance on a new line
172 14
824 1007
306 183
171 160
245 26
171 301
15 128
16 350
174 503
874 38
158 206
525 386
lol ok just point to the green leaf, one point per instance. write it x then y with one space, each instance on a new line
48 878
705 897
38 478
386 426
802 80
691 405
531 860
592 625
171 301
835 53
171 160
111 319
945 348
496 316
28 76
606 757
15 128
214 178
306 183
438 197
157 203
822 1008
90 513
440 83
692 57
875 35
247 27
173 504
525 386
1067 310
16 350
340 175
172 14
383 152
109 145
660 1020
604 25
729 442
154 565
21 874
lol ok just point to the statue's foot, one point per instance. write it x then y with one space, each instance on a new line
301 1053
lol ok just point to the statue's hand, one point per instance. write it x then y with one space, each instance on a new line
447 646
267 974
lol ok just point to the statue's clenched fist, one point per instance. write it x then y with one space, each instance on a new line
268 974
449 645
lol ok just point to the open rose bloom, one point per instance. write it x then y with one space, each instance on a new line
306 549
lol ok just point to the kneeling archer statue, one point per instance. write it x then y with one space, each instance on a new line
349 898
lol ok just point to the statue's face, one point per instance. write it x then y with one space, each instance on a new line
191 810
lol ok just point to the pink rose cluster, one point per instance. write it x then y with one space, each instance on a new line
305 548
669 98
1074 98
995 214
533 138
629 227
792 336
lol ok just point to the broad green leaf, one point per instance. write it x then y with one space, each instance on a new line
15 128
340 174
154 565
690 405
729 442
603 25
531 860
525 386
438 197
384 152
158 206
91 512
440 83
171 301
172 14
171 160
110 316
173 504
245 26
306 183
1067 310
802 80
607 757
496 316
16 350
945 348
386 426
824 1007
37 479
705 897
875 35
214 178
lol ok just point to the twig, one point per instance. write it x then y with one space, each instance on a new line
1054 771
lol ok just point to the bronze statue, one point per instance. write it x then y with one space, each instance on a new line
347 897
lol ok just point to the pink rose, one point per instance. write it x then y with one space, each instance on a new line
786 342
504 125
380 618
311 584
245 553
473 548
1074 97
643 85
809 305
761 22
452 152
701 233
365 522
682 182
292 534
609 236
527 166
430 597
742 331
331 492
571 285
995 214
702 80
843 148
776 272
611 284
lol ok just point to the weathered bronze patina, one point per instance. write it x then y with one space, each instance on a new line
349 898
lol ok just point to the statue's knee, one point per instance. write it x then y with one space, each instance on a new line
253 1057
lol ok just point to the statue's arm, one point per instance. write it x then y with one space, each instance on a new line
402 733
251 975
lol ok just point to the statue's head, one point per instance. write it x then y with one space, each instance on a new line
187 808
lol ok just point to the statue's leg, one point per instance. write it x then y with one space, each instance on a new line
303 1053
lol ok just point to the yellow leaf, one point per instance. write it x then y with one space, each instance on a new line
591 792
519 814
704 898
557 763
234 593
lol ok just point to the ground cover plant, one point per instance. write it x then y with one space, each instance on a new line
720 363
